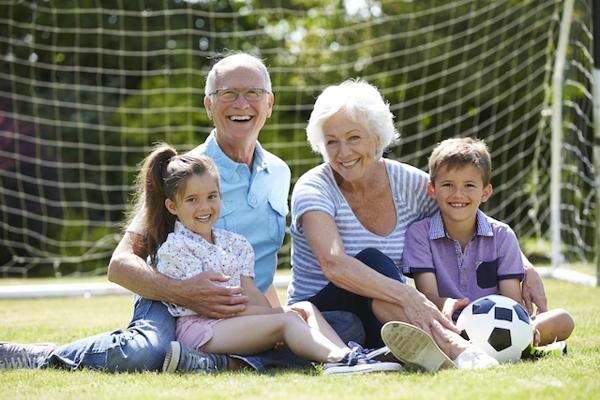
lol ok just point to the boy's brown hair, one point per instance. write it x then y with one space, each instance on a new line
458 152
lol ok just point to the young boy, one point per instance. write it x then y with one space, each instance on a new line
460 254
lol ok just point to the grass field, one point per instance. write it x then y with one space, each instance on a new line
65 319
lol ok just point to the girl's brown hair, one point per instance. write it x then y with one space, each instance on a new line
162 176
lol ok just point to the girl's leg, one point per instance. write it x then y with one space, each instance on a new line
554 325
255 333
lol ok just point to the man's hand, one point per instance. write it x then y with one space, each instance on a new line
202 295
533 291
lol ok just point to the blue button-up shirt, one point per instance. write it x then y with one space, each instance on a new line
254 203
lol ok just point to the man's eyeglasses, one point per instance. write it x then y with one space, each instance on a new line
230 95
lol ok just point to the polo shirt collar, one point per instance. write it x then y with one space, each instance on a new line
437 230
228 167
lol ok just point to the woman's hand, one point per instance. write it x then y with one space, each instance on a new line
452 305
422 313
299 311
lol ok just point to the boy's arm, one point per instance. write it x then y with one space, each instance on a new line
511 288
514 265
426 283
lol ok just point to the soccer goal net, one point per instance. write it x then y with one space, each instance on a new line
87 87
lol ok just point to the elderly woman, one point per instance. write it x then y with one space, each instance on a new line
349 218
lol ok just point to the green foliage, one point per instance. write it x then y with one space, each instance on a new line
99 84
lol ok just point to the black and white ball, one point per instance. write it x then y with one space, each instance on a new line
497 325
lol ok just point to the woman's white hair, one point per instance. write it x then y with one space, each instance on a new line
362 103
236 59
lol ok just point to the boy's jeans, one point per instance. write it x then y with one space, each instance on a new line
143 345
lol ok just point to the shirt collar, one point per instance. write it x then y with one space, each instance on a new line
228 167
181 229
437 230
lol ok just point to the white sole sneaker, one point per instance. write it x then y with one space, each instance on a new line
172 357
362 368
415 348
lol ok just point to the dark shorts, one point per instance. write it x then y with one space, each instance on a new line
333 298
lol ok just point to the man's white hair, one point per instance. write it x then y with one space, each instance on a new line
236 59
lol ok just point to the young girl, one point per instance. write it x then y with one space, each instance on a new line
182 204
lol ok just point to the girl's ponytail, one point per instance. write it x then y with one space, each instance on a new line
158 221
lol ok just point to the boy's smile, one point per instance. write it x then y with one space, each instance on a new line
459 192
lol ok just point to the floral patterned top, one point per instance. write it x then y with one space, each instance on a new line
185 254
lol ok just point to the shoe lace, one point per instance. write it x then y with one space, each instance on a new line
15 355
358 354
372 353
18 361
197 361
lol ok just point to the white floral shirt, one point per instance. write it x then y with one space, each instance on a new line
185 254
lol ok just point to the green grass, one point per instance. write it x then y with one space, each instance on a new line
64 320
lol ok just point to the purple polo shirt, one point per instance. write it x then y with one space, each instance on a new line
493 254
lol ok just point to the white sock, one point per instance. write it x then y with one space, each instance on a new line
474 358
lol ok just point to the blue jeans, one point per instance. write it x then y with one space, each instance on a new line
140 347
332 297
145 342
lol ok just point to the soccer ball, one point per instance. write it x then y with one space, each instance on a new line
497 325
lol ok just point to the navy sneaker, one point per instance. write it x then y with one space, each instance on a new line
182 359
24 356
357 361
381 354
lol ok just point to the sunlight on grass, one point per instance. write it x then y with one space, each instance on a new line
66 319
